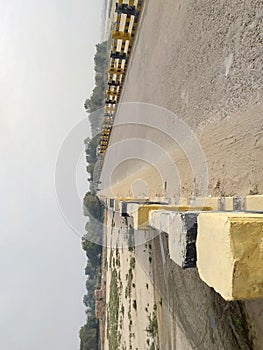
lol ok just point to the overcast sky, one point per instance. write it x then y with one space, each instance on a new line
46 72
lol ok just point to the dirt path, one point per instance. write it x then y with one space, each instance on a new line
131 313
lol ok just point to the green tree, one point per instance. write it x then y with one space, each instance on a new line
96 101
92 206
93 252
89 336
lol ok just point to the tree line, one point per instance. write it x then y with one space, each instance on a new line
92 207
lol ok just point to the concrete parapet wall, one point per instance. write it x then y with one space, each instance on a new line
141 213
226 235
241 203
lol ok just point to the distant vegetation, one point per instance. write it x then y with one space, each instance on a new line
92 207
96 100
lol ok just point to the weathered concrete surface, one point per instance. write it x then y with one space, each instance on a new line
140 214
254 202
181 228
202 60
230 253
182 239
143 214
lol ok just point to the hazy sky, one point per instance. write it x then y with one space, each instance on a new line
46 72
